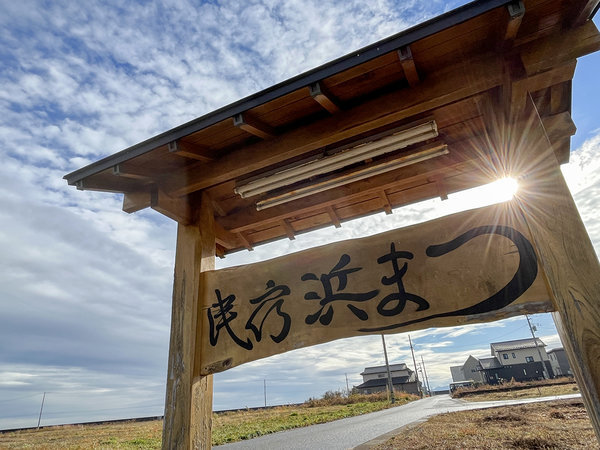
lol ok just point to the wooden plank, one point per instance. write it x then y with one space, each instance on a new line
387 207
445 87
569 262
253 126
289 230
188 407
471 267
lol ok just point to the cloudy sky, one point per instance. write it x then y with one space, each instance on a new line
85 289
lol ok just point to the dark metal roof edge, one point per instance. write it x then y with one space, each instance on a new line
406 37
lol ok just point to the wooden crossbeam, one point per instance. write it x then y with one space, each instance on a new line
191 151
253 126
324 98
408 65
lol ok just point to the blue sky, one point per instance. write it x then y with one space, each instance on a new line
85 289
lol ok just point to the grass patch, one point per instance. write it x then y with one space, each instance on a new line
560 424
227 427
514 390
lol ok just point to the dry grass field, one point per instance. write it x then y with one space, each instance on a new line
562 424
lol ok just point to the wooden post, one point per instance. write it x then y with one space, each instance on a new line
188 403
568 261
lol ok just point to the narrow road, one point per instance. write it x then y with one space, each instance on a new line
354 431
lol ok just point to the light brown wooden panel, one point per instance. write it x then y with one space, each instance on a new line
471 267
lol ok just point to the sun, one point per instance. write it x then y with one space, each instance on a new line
488 194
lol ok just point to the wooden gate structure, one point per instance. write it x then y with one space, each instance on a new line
475 94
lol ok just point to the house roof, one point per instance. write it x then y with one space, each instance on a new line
558 349
515 345
383 382
450 70
490 363
383 369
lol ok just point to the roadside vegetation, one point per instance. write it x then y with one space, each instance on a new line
561 424
227 427
512 390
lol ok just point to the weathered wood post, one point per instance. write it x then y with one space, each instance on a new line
568 261
188 404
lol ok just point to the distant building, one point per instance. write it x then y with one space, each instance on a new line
375 379
518 359
559 362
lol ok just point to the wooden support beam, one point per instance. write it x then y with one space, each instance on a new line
408 65
188 404
559 126
191 151
559 97
334 217
463 79
176 208
253 126
291 234
516 11
566 256
227 239
387 206
324 98
559 48
582 13
136 201
442 190
245 241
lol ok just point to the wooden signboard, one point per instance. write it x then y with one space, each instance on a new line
470 267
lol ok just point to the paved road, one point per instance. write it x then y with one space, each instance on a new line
354 431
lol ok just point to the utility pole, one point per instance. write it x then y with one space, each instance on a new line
415 366
41 408
389 374
546 376
347 387
265 390
425 373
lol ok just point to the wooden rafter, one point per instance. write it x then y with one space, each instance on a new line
191 151
253 126
334 217
289 230
324 98
516 12
387 207
408 65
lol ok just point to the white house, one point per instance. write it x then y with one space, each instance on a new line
375 379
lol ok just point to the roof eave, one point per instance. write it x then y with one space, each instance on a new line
406 37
